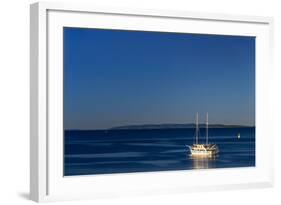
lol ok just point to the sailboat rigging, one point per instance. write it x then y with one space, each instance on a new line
206 149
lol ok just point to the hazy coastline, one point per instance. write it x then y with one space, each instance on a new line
167 126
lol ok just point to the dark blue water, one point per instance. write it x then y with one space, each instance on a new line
124 151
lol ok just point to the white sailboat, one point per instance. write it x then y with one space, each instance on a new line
205 149
238 136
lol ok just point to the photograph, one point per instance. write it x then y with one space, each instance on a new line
147 101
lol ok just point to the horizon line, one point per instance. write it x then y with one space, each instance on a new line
159 124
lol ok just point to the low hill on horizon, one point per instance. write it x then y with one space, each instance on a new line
174 126
165 126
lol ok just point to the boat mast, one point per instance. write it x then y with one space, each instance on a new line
207 126
197 128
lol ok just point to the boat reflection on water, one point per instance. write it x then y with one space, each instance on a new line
203 162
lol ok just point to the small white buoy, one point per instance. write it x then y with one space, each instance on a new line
238 136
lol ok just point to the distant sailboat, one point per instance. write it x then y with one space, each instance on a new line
238 136
203 150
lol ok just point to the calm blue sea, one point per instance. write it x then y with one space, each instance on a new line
124 151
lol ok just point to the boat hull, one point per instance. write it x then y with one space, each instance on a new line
203 150
197 153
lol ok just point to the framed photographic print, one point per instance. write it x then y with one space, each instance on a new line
128 101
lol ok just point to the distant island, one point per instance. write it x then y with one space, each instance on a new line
173 126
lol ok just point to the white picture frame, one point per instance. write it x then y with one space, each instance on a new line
47 182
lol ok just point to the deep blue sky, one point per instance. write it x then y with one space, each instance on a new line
114 77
